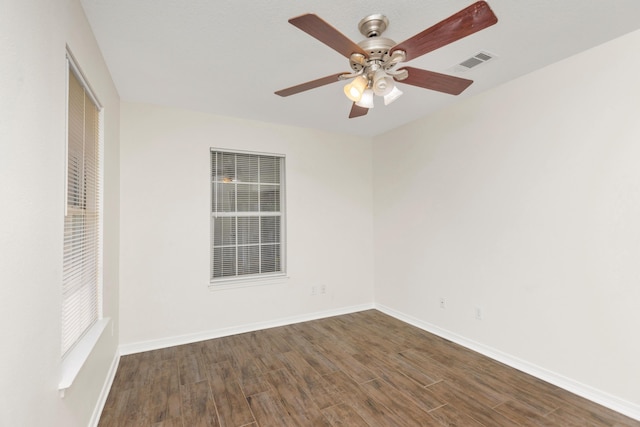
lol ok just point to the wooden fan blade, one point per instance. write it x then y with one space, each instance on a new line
321 30
472 19
436 81
357 111
309 85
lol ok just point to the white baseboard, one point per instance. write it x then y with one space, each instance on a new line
612 402
140 347
102 399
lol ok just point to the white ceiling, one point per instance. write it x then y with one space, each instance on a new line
228 57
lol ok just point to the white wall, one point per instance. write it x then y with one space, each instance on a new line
165 188
524 201
33 82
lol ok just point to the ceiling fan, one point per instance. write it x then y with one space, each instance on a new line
375 61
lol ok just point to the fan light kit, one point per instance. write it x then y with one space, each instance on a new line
374 75
375 61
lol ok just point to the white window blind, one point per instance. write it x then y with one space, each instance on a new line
82 240
247 215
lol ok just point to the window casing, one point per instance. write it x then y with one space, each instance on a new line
247 216
82 254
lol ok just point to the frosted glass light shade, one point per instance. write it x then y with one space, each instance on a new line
382 83
392 96
366 101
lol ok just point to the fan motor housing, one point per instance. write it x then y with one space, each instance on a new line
377 49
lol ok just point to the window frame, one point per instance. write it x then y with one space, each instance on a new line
75 354
243 280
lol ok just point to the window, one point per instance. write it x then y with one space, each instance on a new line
247 215
81 276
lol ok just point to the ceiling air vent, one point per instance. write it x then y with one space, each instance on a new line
473 62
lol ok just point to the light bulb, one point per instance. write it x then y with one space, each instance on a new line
355 88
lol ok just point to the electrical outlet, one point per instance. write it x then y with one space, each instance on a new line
442 303
478 313
323 289
314 290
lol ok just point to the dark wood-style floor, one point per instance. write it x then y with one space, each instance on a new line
361 369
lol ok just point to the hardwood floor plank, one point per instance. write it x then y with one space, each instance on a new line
325 333
233 409
469 404
270 341
198 407
370 410
296 399
403 411
254 385
563 418
215 351
417 393
137 410
425 364
163 394
349 337
535 397
269 362
381 363
190 368
171 422
303 330
411 371
482 394
323 392
449 416
523 414
132 372
310 353
242 358
376 334
344 416
344 361
268 411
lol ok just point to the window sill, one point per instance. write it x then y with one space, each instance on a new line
76 358
247 282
